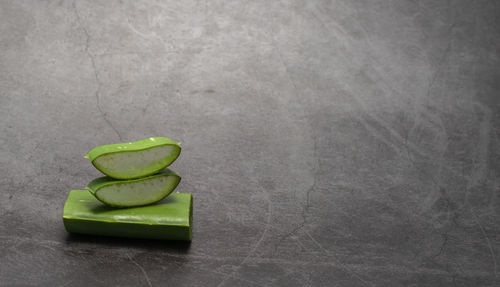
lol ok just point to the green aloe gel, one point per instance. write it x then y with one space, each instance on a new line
134 159
134 192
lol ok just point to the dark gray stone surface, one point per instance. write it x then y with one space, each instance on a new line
327 143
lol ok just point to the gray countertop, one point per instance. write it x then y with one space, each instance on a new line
326 143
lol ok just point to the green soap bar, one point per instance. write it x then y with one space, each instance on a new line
169 219
134 159
134 192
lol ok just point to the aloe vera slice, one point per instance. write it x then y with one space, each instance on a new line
134 192
134 159
170 219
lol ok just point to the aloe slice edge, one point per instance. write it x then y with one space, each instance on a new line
134 159
135 192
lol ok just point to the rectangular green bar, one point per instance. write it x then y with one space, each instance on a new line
170 218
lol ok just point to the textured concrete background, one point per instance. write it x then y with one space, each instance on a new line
333 143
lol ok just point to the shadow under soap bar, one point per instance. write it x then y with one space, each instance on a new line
170 218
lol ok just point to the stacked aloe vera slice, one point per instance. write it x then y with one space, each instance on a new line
136 172
136 177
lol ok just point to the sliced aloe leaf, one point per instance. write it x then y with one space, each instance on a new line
134 192
169 219
134 159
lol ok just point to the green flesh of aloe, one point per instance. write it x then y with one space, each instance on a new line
134 192
134 159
